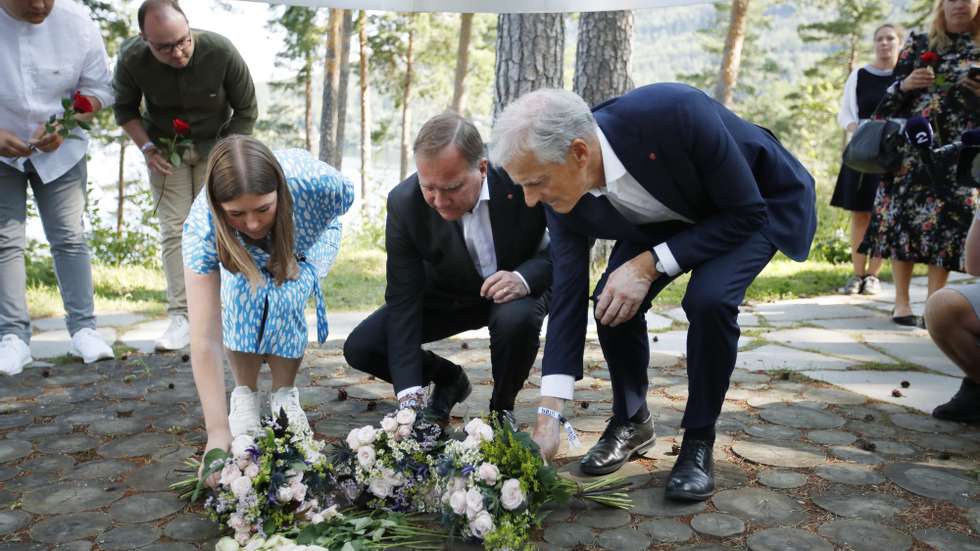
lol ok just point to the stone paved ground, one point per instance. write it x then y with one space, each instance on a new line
87 452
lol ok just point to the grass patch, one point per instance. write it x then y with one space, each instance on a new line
357 279
136 289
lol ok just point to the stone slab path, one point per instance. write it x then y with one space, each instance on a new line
824 441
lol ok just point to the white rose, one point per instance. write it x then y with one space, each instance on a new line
459 483
366 435
241 487
404 431
353 442
471 443
511 495
365 456
405 416
388 424
473 427
241 444
489 473
482 524
458 502
236 522
229 474
485 432
252 470
332 512
255 543
315 518
227 544
474 500
279 542
284 494
299 490
379 487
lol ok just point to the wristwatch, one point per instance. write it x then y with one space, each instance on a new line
148 146
657 265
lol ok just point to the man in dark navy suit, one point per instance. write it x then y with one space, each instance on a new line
681 184
464 252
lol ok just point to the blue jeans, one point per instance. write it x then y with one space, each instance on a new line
61 204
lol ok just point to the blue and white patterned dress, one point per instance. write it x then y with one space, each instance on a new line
270 319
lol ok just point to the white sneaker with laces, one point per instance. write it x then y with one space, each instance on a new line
88 345
14 354
287 398
243 414
177 335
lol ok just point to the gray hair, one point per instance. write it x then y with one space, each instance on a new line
544 122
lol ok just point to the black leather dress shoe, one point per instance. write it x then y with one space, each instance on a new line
620 441
693 477
964 407
506 417
445 396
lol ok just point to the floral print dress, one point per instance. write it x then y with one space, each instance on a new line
270 319
916 219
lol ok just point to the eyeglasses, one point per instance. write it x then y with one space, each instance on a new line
168 49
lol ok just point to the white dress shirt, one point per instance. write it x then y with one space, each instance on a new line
635 203
42 64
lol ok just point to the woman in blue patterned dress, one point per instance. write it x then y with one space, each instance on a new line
256 243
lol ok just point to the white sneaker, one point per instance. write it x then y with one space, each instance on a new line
243 414
287 398
14 354
88 345
177 335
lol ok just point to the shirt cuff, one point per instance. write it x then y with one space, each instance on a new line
558 386
410 390
667 259
524 281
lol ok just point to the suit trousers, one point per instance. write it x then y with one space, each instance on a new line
61 205
716 289
173 196
514 326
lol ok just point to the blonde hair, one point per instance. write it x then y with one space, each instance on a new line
239 165
938 35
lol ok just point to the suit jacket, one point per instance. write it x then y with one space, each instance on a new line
429 267
731 177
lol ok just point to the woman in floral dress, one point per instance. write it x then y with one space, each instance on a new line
921 216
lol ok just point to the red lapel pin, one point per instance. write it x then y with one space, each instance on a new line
653 156
510 195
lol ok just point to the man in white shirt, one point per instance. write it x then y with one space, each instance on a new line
49 50
464 252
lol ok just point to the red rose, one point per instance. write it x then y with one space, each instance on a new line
929 58
181 127
81 104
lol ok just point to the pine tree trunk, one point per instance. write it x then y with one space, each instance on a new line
406 100
331 86
462 61
731 58
530 55
121 192
602 71
346 32
365 113
308 114
602 55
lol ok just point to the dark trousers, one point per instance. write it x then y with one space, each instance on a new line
515 329
715 290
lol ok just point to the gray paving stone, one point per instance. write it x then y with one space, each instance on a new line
68 528
772 357
855 455
864 506
924 423
830 437
12 521
769 431
13 421
801 417
172 546
973 515
119 427
101 470
665 531
47 464
69 497
943 540
864 535
787 539
760 506
780 453
622 539
947 443
871 429
805 310
925 392
136 446
887 447
935 482
717 524
145 507
604 518
82 545
652 503
834 396
825 341
154 477
71 443
128 537
379 391
569 535
12 450
848 474
785 480
769 396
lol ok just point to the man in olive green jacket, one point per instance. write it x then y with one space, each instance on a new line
195 89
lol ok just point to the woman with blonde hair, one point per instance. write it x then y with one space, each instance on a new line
920 215
256 243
